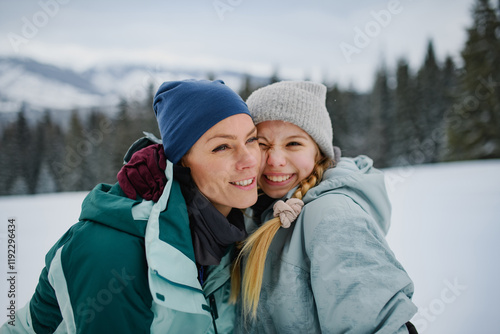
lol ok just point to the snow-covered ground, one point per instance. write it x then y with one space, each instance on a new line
445 232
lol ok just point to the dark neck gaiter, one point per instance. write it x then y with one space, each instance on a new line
211 231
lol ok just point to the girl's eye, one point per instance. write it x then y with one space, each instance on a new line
262 145
293 143
220 148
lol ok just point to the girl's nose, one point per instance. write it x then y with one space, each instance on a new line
275 158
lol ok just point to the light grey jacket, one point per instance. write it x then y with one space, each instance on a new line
332 271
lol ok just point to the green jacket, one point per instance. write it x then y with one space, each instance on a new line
128 266
332 271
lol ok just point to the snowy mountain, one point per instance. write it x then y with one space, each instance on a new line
444 232
36 87
45 86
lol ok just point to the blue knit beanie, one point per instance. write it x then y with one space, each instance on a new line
185 110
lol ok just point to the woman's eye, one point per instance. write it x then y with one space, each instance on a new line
293 143
220 148
262 145
252 140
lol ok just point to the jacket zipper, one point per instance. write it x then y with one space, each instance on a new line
213 310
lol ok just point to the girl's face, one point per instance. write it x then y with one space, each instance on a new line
225 162
288 156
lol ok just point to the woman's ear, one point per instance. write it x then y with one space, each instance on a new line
182 162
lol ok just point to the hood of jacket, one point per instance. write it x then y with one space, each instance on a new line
108 205
359 180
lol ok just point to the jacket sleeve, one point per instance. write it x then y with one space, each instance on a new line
106 278
358 285
95 281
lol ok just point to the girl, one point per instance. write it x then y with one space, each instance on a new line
317 260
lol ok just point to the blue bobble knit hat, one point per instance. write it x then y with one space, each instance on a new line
298 102
185 110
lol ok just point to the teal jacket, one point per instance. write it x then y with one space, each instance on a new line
332 271
128 266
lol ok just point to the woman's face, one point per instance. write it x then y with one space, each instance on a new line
225 162
288 156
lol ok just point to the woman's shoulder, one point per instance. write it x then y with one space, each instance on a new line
95 245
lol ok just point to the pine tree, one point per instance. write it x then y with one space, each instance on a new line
19 186
334 99
100 133
149 123
275 76
40 152
474 122
124 136
350 121
405 122
76 151
430 108
4 165
54 149
246 88
381 115
9 165
449 95
46 182
23 162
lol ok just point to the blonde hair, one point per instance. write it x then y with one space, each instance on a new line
255 248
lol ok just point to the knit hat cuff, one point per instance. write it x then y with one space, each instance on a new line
298 102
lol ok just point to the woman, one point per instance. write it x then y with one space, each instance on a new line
317 260
152 252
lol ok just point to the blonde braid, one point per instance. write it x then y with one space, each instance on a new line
255 248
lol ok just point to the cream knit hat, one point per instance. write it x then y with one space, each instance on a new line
299 102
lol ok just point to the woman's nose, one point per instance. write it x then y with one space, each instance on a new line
248 158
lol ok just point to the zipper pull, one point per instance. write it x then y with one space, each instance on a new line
213 307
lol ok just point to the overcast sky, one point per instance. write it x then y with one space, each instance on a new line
335 41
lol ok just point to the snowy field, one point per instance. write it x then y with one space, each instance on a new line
445 231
